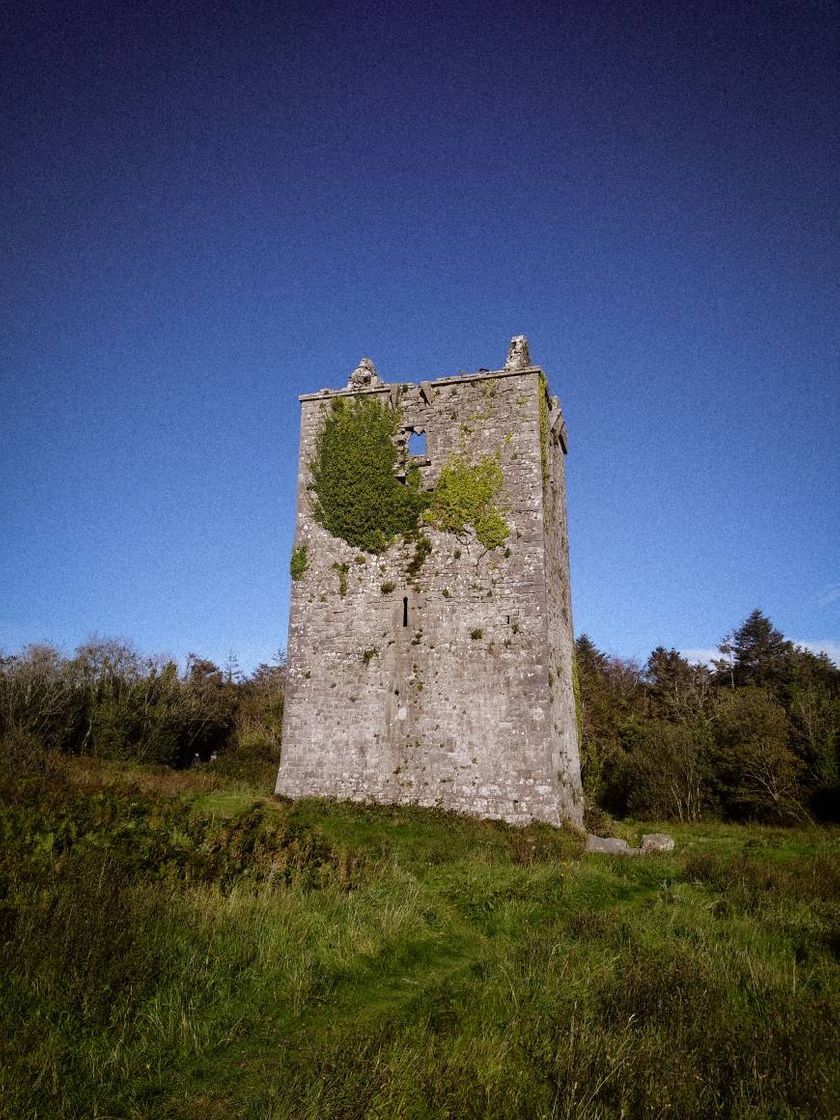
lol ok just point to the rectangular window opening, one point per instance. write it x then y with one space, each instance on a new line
405 610
417 444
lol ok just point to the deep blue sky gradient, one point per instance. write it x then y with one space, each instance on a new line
208 209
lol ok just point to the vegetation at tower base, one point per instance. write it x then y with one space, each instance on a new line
667 740
180 946
299 562
177 943
465 497
357 494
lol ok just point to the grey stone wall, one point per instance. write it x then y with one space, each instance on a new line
468 705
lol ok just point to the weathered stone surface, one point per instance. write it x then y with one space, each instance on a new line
608 845
652 843
364 376
451 687
519 355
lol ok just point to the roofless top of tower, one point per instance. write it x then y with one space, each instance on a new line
364 376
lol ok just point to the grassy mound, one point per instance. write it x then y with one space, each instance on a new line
183 946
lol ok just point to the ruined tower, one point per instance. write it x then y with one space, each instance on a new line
430 636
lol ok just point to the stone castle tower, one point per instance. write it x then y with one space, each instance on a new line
433 665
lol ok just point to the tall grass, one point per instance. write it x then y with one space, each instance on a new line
191 951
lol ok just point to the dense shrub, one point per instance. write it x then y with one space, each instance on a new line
110 702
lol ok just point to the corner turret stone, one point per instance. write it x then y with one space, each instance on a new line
364 376
519 356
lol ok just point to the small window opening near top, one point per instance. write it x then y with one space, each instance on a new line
417 444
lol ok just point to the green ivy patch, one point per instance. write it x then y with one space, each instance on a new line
465 496
299 562
343 572
359 498
542 389
357 494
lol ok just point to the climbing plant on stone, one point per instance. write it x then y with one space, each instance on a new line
357 494
299 561
542 390
465 496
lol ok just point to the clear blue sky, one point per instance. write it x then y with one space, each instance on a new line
210 208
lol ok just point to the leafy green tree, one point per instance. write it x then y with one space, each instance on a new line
131 703
260 714
669 769
612 704
812 700
210 705
677 689
38 698
755 653
756 773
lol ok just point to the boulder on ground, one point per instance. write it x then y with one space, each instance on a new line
652 843
607 845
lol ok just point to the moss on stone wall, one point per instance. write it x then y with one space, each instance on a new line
465 496
299 562
357 494
542 389
343 571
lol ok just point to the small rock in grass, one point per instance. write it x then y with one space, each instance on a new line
607 845
657 842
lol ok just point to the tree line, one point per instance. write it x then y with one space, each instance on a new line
753 736
109 701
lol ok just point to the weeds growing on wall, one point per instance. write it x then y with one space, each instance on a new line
422 548
542 390
357 495
343 571
299 562
465 497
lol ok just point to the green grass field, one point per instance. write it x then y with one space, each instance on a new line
175 947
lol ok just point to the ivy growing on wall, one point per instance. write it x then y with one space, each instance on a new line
357 494
299 562
466 496
542 389
359 498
